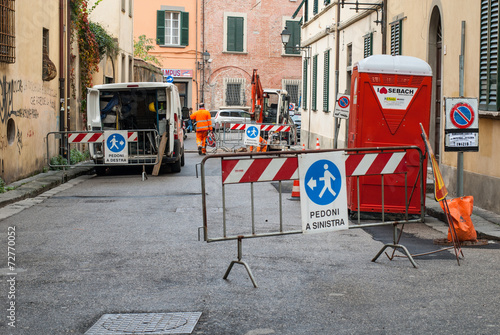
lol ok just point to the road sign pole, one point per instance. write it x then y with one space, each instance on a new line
460 156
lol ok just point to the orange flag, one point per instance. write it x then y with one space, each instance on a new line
440 191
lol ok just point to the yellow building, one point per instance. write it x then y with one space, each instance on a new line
427 29
30 63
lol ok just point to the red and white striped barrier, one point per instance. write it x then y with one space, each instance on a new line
259 169
263 127
376 163
85 137
96 137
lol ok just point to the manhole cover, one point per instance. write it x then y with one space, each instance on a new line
145 324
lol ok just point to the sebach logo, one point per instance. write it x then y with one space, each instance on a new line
396 90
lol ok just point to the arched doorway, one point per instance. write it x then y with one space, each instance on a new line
435 53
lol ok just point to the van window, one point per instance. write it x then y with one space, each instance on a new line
224 114
235 114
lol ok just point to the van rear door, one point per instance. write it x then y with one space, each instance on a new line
93 109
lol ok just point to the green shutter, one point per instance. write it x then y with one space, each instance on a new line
304 86
315 83
235 33
326 82
488 57
396 34
184 28
294 28
368 45
315 7
160 27
306 11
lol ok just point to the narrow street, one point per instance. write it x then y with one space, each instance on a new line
117 244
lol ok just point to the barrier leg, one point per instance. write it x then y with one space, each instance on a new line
239 261
395 246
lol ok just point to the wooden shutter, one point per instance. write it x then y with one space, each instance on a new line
396 33
315 7
326 82
368 45
488 64
235 33
160 27
294 28
184 28
304 85
314 83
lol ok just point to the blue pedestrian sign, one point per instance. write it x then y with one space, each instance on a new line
323 192
116 150
252 134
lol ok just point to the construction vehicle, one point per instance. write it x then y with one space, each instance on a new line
270 106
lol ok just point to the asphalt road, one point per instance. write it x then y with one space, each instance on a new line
117 244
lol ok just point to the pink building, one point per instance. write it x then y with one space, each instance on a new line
246 37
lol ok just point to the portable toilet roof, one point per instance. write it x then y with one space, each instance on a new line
405 65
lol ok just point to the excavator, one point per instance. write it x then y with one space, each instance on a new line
270 106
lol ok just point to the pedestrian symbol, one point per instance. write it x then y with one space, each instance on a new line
116 142
323 182
252 132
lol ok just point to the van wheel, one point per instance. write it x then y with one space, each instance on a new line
182 159
176 167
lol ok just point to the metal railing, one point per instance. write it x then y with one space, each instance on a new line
283 166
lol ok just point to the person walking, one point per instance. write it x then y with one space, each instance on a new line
203 126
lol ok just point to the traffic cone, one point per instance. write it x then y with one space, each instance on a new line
295 190
317 143
303 146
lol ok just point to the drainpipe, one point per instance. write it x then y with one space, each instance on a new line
384 27
61 74
337 66
68 64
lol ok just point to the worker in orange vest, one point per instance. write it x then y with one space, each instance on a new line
203 126
262 147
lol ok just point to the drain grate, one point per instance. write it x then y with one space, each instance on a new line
145 324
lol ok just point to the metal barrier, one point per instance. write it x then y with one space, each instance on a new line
231 136
142 146
256 168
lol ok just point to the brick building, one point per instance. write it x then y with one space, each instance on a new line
241 36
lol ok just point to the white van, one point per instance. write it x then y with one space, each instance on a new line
147 110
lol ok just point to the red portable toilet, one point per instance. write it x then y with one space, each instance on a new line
391 96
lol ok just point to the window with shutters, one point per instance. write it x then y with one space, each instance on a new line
292 86
172 28
368 45
234 89
314 83
488 65
315 7
235 32
396 34
7 31
326 82
304 84
294 28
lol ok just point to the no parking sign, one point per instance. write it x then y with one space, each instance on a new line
462 131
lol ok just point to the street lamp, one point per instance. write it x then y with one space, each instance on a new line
285 36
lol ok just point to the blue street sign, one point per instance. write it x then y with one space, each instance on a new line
252 132
170 79
116 143
323 182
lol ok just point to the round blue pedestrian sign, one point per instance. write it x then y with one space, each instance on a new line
170 79
252 132
323 182
116 143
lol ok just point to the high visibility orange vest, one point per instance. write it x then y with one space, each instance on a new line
203 120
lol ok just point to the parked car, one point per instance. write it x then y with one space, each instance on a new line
213 113
297 121
231 116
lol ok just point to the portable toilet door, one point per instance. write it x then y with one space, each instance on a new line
391 96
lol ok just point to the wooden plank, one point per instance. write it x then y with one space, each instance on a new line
161 150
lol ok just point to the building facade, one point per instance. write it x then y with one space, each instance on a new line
426 29
175 29
243 37
30 66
